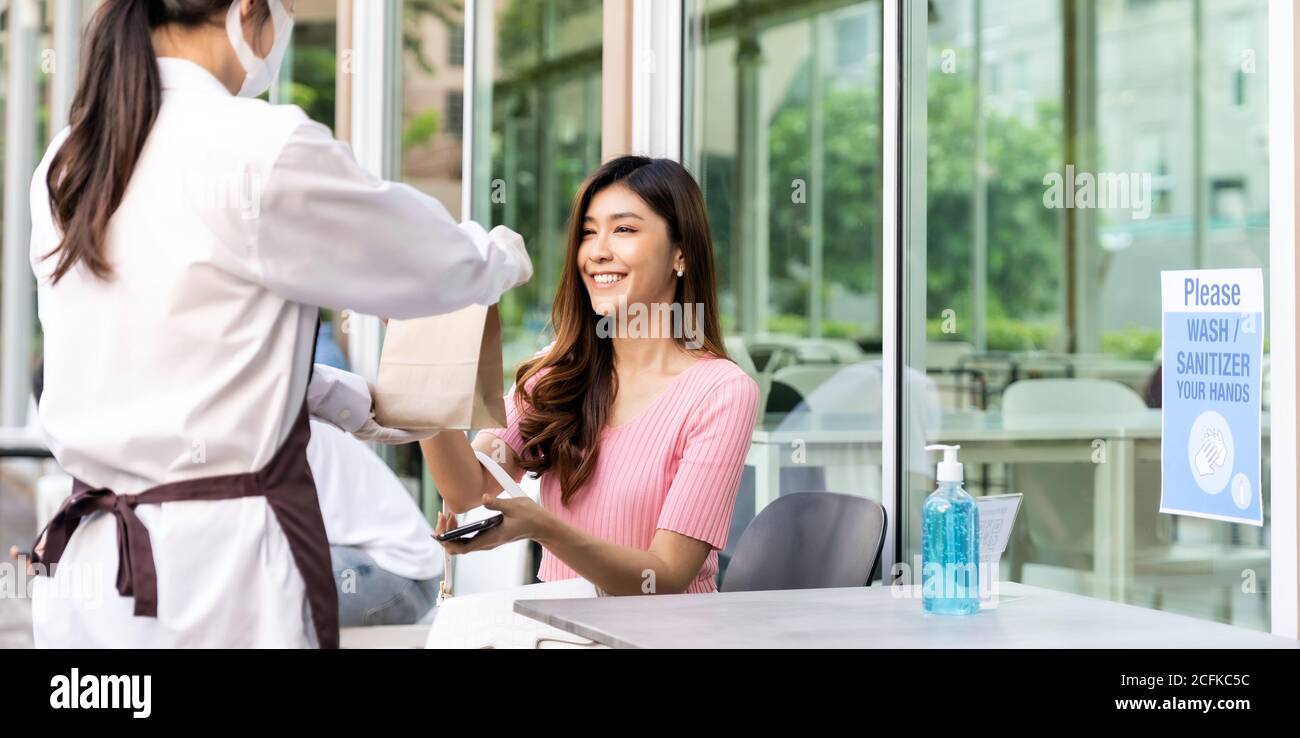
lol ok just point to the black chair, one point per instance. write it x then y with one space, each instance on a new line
809 540
782 399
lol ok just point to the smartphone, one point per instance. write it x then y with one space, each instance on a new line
471 529
507 485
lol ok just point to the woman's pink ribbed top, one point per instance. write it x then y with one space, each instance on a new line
675 466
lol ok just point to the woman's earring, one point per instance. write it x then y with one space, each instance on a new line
681 272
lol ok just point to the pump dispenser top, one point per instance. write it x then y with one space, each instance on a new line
950 467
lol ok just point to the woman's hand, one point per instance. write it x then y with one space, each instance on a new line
524 520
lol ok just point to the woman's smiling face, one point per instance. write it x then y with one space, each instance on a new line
626 255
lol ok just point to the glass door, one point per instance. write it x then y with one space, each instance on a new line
1032 332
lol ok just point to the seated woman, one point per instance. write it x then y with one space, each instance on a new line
634 418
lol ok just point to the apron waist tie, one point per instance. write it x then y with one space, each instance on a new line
285 481
136 575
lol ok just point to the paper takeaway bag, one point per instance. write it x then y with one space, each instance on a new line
442 372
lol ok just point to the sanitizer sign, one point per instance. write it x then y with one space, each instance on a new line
1213 326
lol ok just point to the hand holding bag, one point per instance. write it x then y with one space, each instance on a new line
442 372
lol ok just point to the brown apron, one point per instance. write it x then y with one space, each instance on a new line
286 483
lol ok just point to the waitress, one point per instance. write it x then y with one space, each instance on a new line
184 237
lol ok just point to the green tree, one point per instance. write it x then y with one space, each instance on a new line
850 192
421 129
314 74
1024 261
1024 270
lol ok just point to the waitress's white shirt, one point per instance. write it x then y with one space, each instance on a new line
366 506
241 218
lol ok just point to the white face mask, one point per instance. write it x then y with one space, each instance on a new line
259 73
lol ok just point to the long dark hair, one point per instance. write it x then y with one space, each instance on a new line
117 101
570 403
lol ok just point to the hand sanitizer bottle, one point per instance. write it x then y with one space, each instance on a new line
950 543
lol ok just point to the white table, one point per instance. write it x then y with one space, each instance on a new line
985 438
1132 372
881 617
384 636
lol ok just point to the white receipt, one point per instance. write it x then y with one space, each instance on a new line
507 484
997 517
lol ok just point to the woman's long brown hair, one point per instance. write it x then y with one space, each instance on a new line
118 97
570 401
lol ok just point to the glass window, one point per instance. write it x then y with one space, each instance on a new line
432 82
430 138
536 118
537 137
1168 96
783 132
27 68
308 74
307 79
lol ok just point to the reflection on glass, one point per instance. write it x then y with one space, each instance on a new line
308 74
431 100
784 135
783 131
433 88
539 96
1161 104
536 121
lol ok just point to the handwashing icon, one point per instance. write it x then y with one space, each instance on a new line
1213 453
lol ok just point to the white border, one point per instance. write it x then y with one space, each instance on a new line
1282 326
